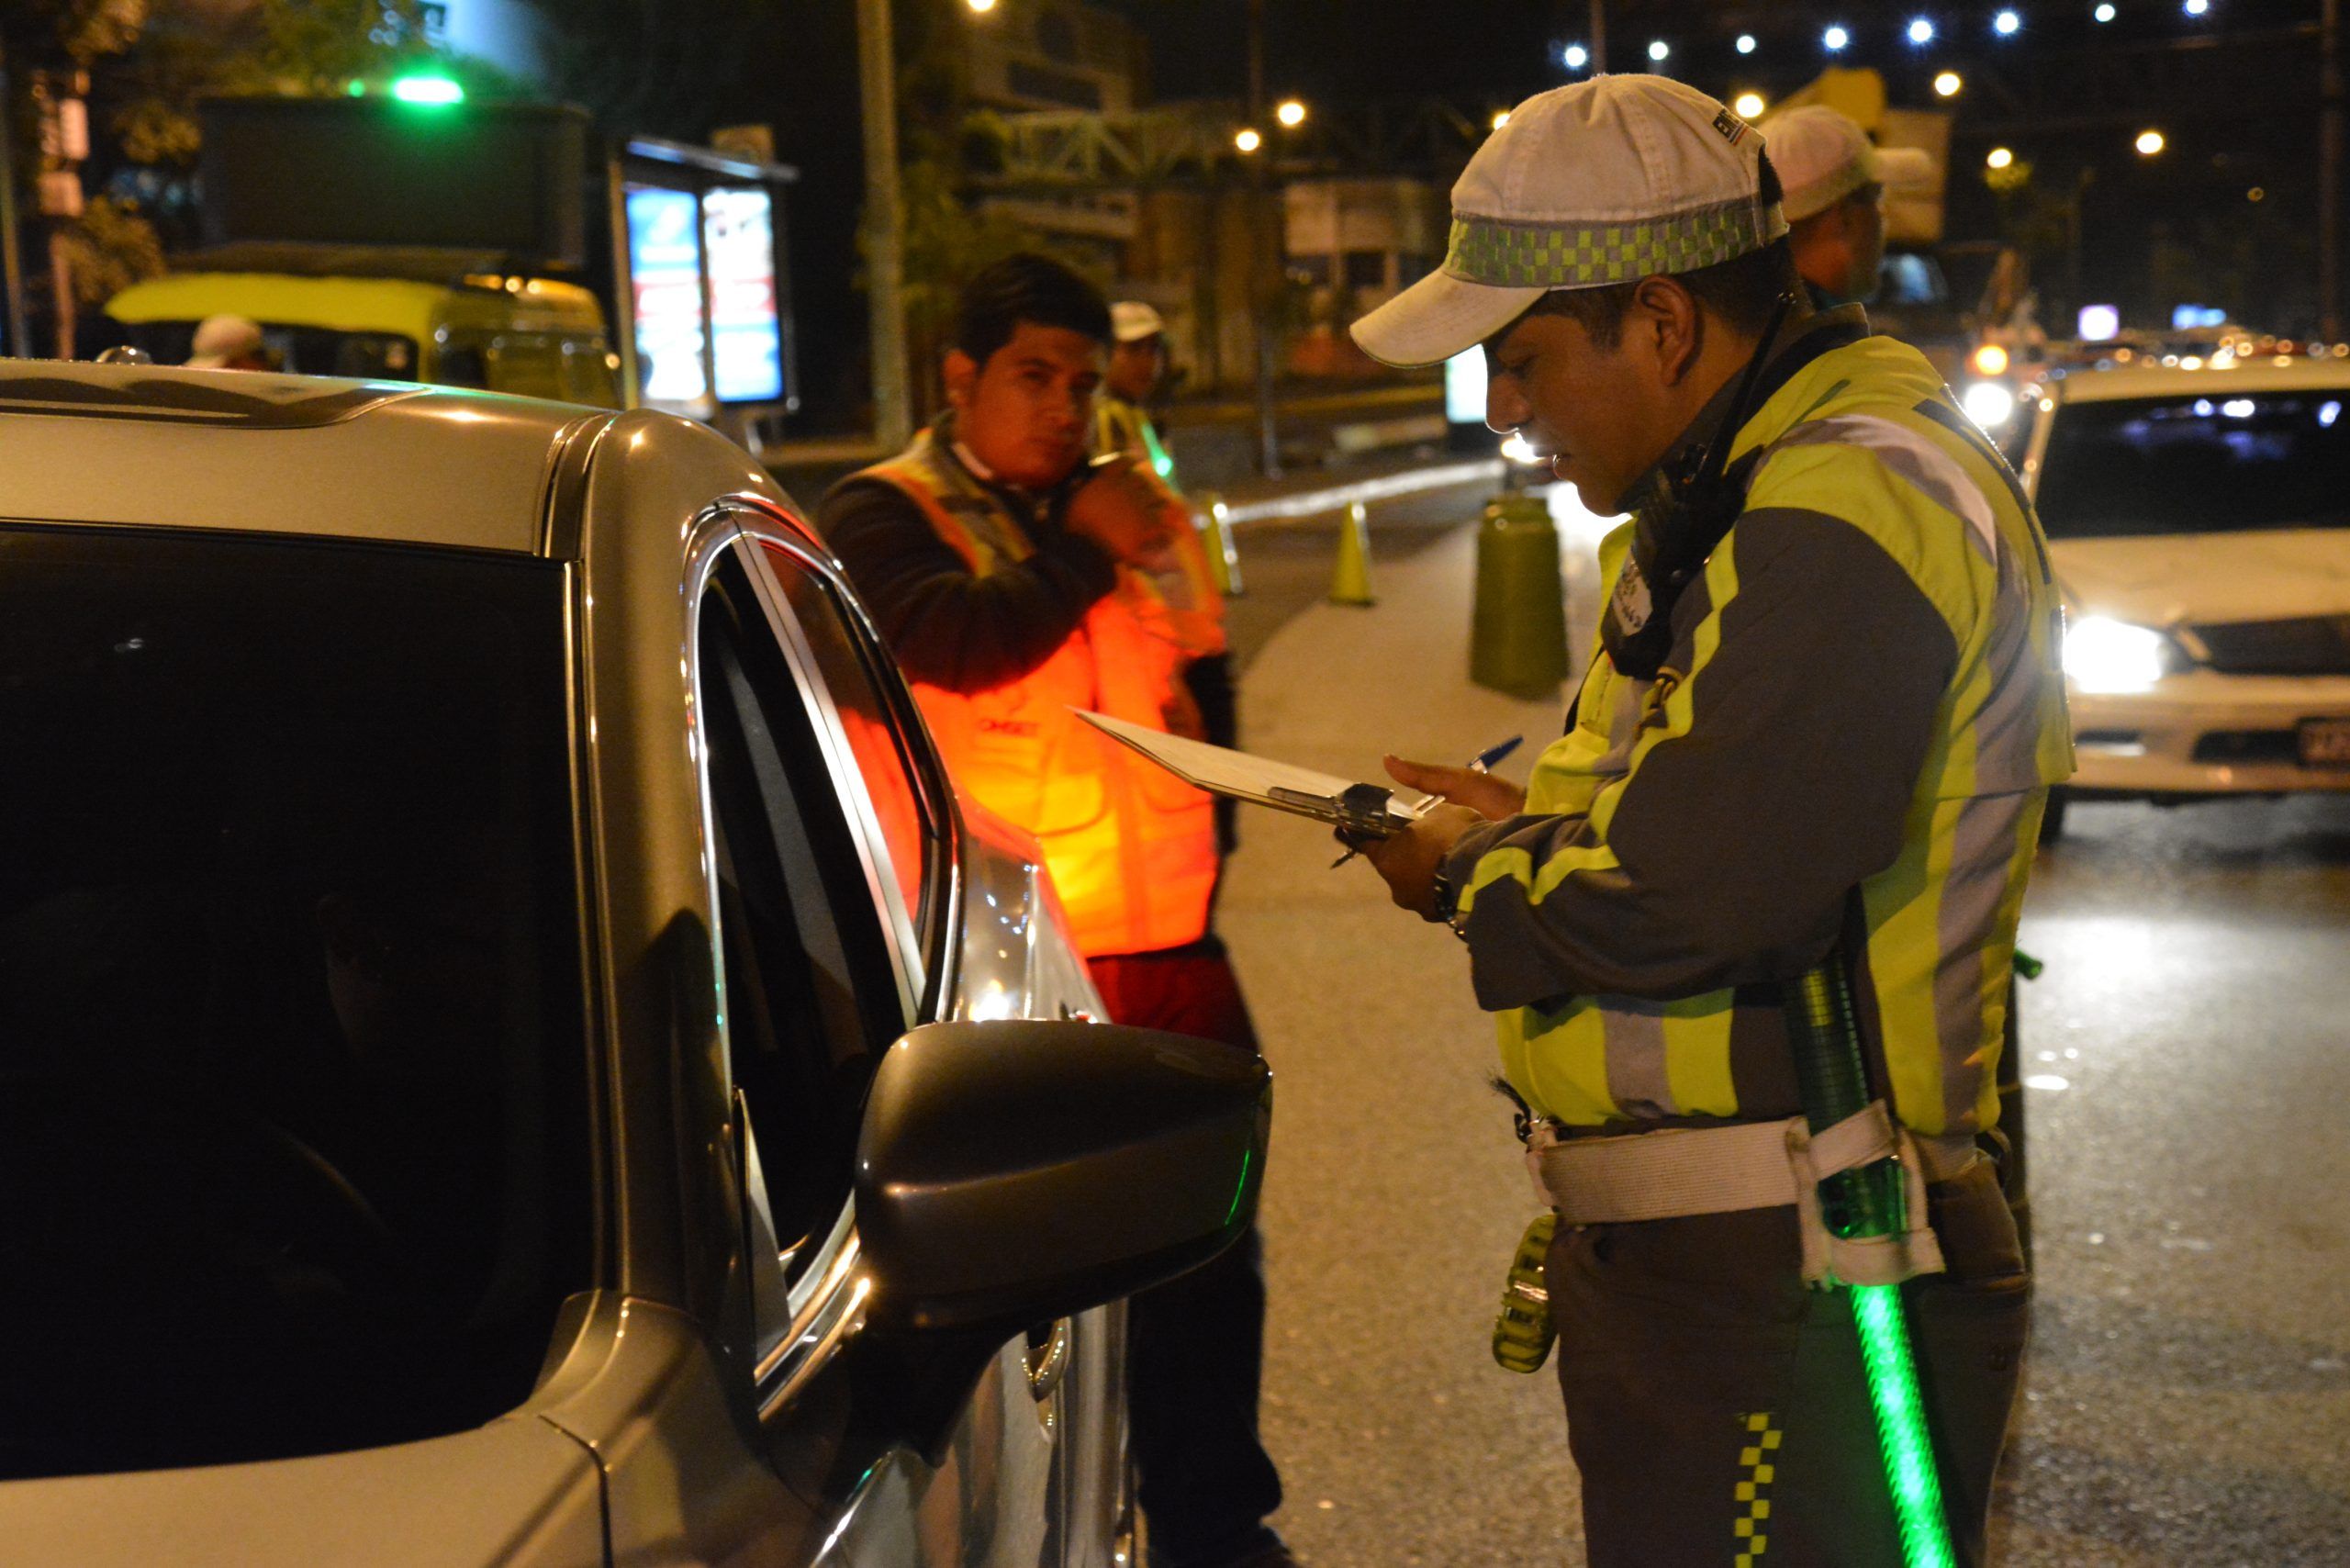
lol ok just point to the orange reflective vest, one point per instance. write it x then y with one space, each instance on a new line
1131 848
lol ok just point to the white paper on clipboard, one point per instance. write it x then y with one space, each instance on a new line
1345 802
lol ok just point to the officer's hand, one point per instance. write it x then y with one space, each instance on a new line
1491 797
1125 509
1408 860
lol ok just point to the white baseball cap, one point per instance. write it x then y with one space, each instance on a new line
1608 181
1131 322
1822 156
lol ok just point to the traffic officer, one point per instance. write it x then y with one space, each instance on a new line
1138 364
1015 580
1833 178
1122 423
1834 737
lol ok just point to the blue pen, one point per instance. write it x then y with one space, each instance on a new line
1484 761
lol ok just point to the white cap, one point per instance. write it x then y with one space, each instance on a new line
1823 156
1609 181
1131 322
222 339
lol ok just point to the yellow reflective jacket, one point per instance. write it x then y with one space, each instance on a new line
1853 734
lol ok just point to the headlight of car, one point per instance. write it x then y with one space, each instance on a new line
2102 654
1988 404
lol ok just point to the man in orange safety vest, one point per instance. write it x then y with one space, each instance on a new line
1015 580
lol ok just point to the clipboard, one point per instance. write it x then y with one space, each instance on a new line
1371 810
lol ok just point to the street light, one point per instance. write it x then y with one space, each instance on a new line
1575 56
2006 24
2150 142
2197 8
1999 158
1501 119
1834 39
1291 113
1749 106
1947 83
1921 31
2104 13
1746 43
1658 51
981 7
1246 139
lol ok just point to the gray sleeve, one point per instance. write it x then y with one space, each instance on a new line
1734 844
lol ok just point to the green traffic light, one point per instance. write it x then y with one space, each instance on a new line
432 90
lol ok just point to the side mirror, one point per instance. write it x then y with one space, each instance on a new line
1010 1172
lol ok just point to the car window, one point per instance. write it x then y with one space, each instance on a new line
2213 463
811 993
294 1147
871 746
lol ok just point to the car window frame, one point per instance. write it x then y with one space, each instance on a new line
824 1304
922 937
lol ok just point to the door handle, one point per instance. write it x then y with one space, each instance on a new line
1047 1359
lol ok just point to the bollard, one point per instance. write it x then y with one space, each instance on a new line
1518 640
1350 581
1215 522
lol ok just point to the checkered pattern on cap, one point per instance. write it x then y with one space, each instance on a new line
1587 255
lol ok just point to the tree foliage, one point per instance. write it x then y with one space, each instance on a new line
53 34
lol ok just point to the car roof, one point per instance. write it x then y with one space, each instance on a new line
2266 373
145 446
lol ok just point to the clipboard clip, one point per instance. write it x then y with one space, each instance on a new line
1360 810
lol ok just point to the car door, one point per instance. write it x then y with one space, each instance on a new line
834 883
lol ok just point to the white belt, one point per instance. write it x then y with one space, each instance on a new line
1678 1171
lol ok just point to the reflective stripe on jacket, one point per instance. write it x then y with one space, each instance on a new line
1862 692
1131 848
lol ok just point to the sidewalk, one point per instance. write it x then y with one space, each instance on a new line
1394 1195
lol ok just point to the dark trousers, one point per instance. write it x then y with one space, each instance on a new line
1195 1345
1720 1412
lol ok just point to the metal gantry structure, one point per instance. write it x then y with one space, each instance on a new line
1191 144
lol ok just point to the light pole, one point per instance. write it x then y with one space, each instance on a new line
1598 38
2329 173
12 266
1264 254
885 226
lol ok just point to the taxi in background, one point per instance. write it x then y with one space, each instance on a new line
2199 521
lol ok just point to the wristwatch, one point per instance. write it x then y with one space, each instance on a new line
1445 895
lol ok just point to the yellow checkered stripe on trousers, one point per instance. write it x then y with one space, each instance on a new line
1585 255
1755 1470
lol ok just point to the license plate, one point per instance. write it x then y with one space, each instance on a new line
2325 743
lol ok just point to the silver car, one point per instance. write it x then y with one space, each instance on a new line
511 1051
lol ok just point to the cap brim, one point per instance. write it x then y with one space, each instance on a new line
1437 317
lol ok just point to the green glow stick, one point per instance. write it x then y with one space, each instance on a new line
1868 1201
1901 1426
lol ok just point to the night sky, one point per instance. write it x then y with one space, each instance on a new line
2153 232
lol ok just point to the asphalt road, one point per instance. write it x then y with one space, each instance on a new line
2189 1384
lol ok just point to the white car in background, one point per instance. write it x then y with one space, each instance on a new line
2198 523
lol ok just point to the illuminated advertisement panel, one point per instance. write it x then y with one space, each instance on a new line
746 339
665 263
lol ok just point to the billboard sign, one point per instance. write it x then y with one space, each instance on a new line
665 266
747 337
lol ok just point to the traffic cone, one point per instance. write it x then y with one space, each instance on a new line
1351 583
1215 522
